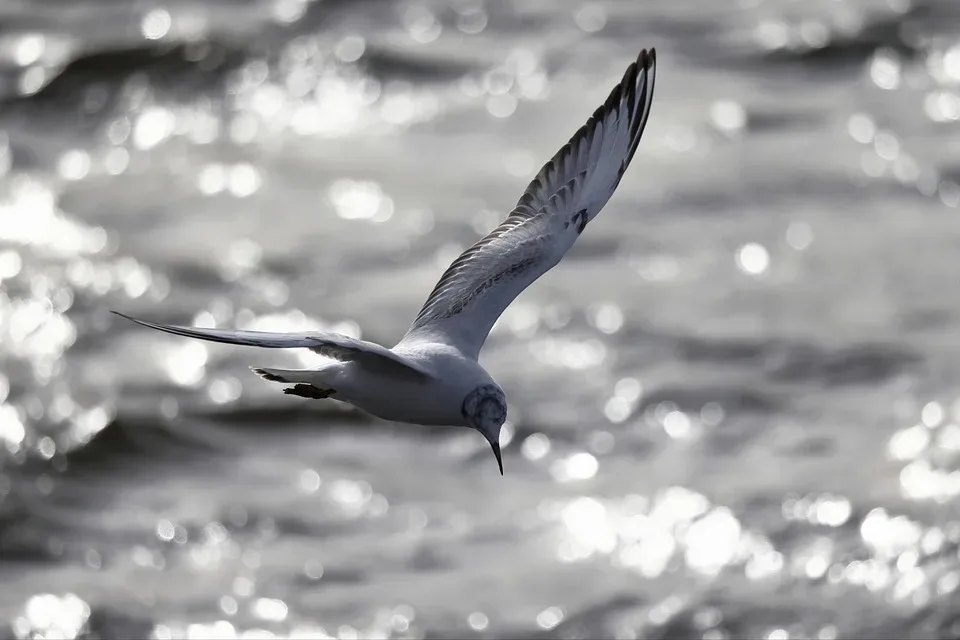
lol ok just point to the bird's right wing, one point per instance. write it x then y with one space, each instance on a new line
569 192
326 343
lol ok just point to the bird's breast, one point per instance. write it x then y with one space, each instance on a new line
432 402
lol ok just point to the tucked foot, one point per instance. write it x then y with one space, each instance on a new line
308 391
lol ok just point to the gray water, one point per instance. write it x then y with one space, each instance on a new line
735 405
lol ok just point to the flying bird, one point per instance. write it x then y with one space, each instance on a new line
432 376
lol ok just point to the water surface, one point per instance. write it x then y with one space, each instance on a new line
734 405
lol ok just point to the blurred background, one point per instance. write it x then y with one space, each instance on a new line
735 405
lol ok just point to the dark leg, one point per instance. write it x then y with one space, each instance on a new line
308 391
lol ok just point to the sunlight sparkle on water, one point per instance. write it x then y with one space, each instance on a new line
350 48
535 446
288 11
950 63
154 125
607 317
920 480
932 414
165 530
677 425
753 258
74 164
242 257
29 215
51 616
270 609
907 444
813 560
520 76
617 409
243 180
628 388
885 69
340 109
360 200
569 353
886 146
772 34
212 179
309 481
501 106
712 541
728 116
402 106
799 235
471 19
33 80
29 48
888 536
579 466
942 106
931 471
350 495
521 320
478 621
589 529
550 618
861 128
156 23
647 538
185 362
225 389
421 23
591 17
12 430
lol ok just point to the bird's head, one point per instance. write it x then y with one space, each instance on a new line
485 409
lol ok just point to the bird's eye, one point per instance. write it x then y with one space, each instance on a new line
485 402
492 409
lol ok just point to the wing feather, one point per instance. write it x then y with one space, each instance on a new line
568 192
326 343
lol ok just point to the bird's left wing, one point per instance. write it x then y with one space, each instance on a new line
332 345
568 192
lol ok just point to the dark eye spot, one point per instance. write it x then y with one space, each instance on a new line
486 402
492 408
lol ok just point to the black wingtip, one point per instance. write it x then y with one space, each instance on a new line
142 323
647 58
132 319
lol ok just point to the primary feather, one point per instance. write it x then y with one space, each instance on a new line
326 343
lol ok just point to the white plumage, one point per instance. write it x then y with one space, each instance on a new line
432 375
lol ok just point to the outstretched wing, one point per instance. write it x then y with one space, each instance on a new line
331 345
568 193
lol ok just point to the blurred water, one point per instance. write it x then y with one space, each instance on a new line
735 405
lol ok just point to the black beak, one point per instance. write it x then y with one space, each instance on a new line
496 451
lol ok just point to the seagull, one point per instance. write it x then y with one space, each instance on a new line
432 376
